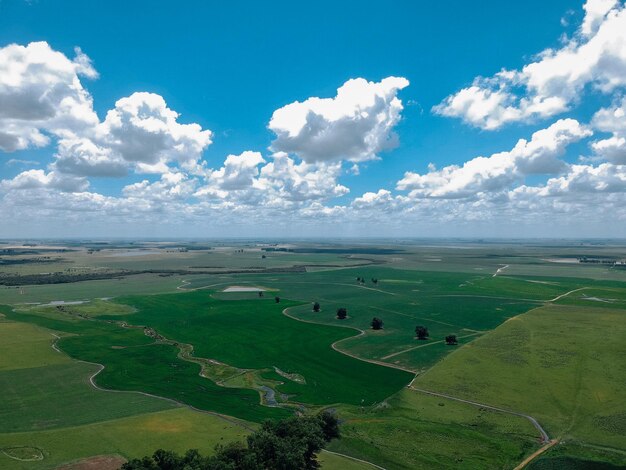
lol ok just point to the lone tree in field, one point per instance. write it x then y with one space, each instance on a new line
421 332
377 324
342 313
316 307
277 299
260 293
375 281
451 340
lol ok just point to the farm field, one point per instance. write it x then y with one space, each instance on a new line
548 343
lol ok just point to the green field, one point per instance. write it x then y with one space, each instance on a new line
562 364
539 337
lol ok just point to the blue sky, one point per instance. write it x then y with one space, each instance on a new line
228 66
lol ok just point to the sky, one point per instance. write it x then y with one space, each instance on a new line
327 119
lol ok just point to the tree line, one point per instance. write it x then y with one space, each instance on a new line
288 444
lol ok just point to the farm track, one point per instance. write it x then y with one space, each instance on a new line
536 454
499 270
424 346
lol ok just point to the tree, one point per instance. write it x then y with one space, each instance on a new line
377 323
451 340
260 293
375 281
342 313
330 425
292 443
277 299
421 332
316 307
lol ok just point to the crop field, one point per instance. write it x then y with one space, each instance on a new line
539 334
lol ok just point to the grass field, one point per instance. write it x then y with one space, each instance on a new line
50 410
562 364
413 431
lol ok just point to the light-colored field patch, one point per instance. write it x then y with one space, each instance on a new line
244 289
23 346
98 462
561 260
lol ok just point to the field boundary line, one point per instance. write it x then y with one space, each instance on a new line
424 346
334 345
544 435
354 458
227 418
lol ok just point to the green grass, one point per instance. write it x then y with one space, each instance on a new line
135 436
23 346
413 431
254 334
133 362
563 365
27 405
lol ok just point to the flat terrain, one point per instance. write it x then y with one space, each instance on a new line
540 334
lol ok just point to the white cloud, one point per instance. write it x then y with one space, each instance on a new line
173 186
499 171
41 97
247 179
613 120
238 172
41 94
355 125
604 178
555 80
595 13
141 132
35 179
142 129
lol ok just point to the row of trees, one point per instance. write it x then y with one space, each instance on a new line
361 280
421 332
292 443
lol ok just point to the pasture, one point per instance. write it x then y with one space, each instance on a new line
563 365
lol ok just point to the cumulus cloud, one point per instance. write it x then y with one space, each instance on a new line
604 178
239 171
35 179
41 94
42 97
141 132
355 125
613 120
499 171
595 56
250 180
174 186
